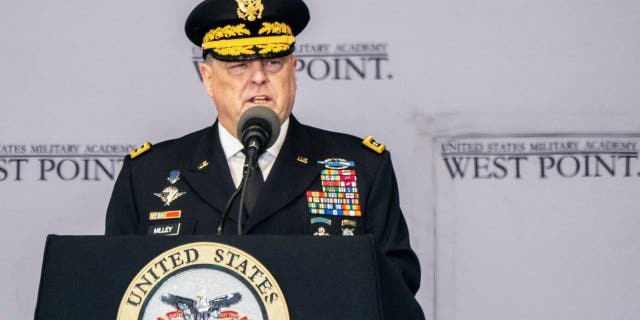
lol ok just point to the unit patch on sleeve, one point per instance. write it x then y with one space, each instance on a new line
339 195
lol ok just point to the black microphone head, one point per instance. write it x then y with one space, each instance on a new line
259 123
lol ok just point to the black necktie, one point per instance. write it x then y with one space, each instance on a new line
254 184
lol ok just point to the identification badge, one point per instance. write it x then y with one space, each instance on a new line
164 230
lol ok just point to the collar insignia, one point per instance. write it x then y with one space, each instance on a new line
203 165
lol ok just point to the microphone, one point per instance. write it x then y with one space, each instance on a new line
258 129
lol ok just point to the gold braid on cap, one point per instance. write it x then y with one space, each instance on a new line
225 32
275 28
279 37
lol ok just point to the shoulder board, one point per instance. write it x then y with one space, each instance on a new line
373 145
137 152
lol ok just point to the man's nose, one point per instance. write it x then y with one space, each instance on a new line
258 74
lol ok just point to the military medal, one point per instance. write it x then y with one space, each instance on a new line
165 215
339 195
169 194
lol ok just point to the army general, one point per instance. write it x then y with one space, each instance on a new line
315 182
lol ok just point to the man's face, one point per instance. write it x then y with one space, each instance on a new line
238 85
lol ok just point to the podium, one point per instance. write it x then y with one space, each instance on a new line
93 277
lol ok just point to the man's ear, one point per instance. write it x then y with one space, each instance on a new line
207 77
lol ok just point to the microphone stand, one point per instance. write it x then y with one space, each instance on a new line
252 151
227 208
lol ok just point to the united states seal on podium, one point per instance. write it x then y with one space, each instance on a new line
203 281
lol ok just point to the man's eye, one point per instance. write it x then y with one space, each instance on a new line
273 65
238 65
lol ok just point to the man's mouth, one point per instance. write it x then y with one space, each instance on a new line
260 99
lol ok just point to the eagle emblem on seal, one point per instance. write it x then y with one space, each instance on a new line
201 308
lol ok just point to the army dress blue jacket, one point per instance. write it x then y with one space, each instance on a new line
181 186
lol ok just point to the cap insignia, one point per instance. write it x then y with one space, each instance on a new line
373 145
250 9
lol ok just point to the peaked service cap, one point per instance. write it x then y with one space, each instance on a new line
233 30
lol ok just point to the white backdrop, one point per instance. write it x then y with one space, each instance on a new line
101 76
537 221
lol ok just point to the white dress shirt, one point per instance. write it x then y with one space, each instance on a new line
235 158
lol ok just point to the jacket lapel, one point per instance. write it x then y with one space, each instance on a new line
289 177
209 174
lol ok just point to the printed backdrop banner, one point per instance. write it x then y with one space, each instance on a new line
82 82
537 225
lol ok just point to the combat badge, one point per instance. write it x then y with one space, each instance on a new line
336 163
174 176
347 227
322 231
169 194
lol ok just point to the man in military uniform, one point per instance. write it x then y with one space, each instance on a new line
316 182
